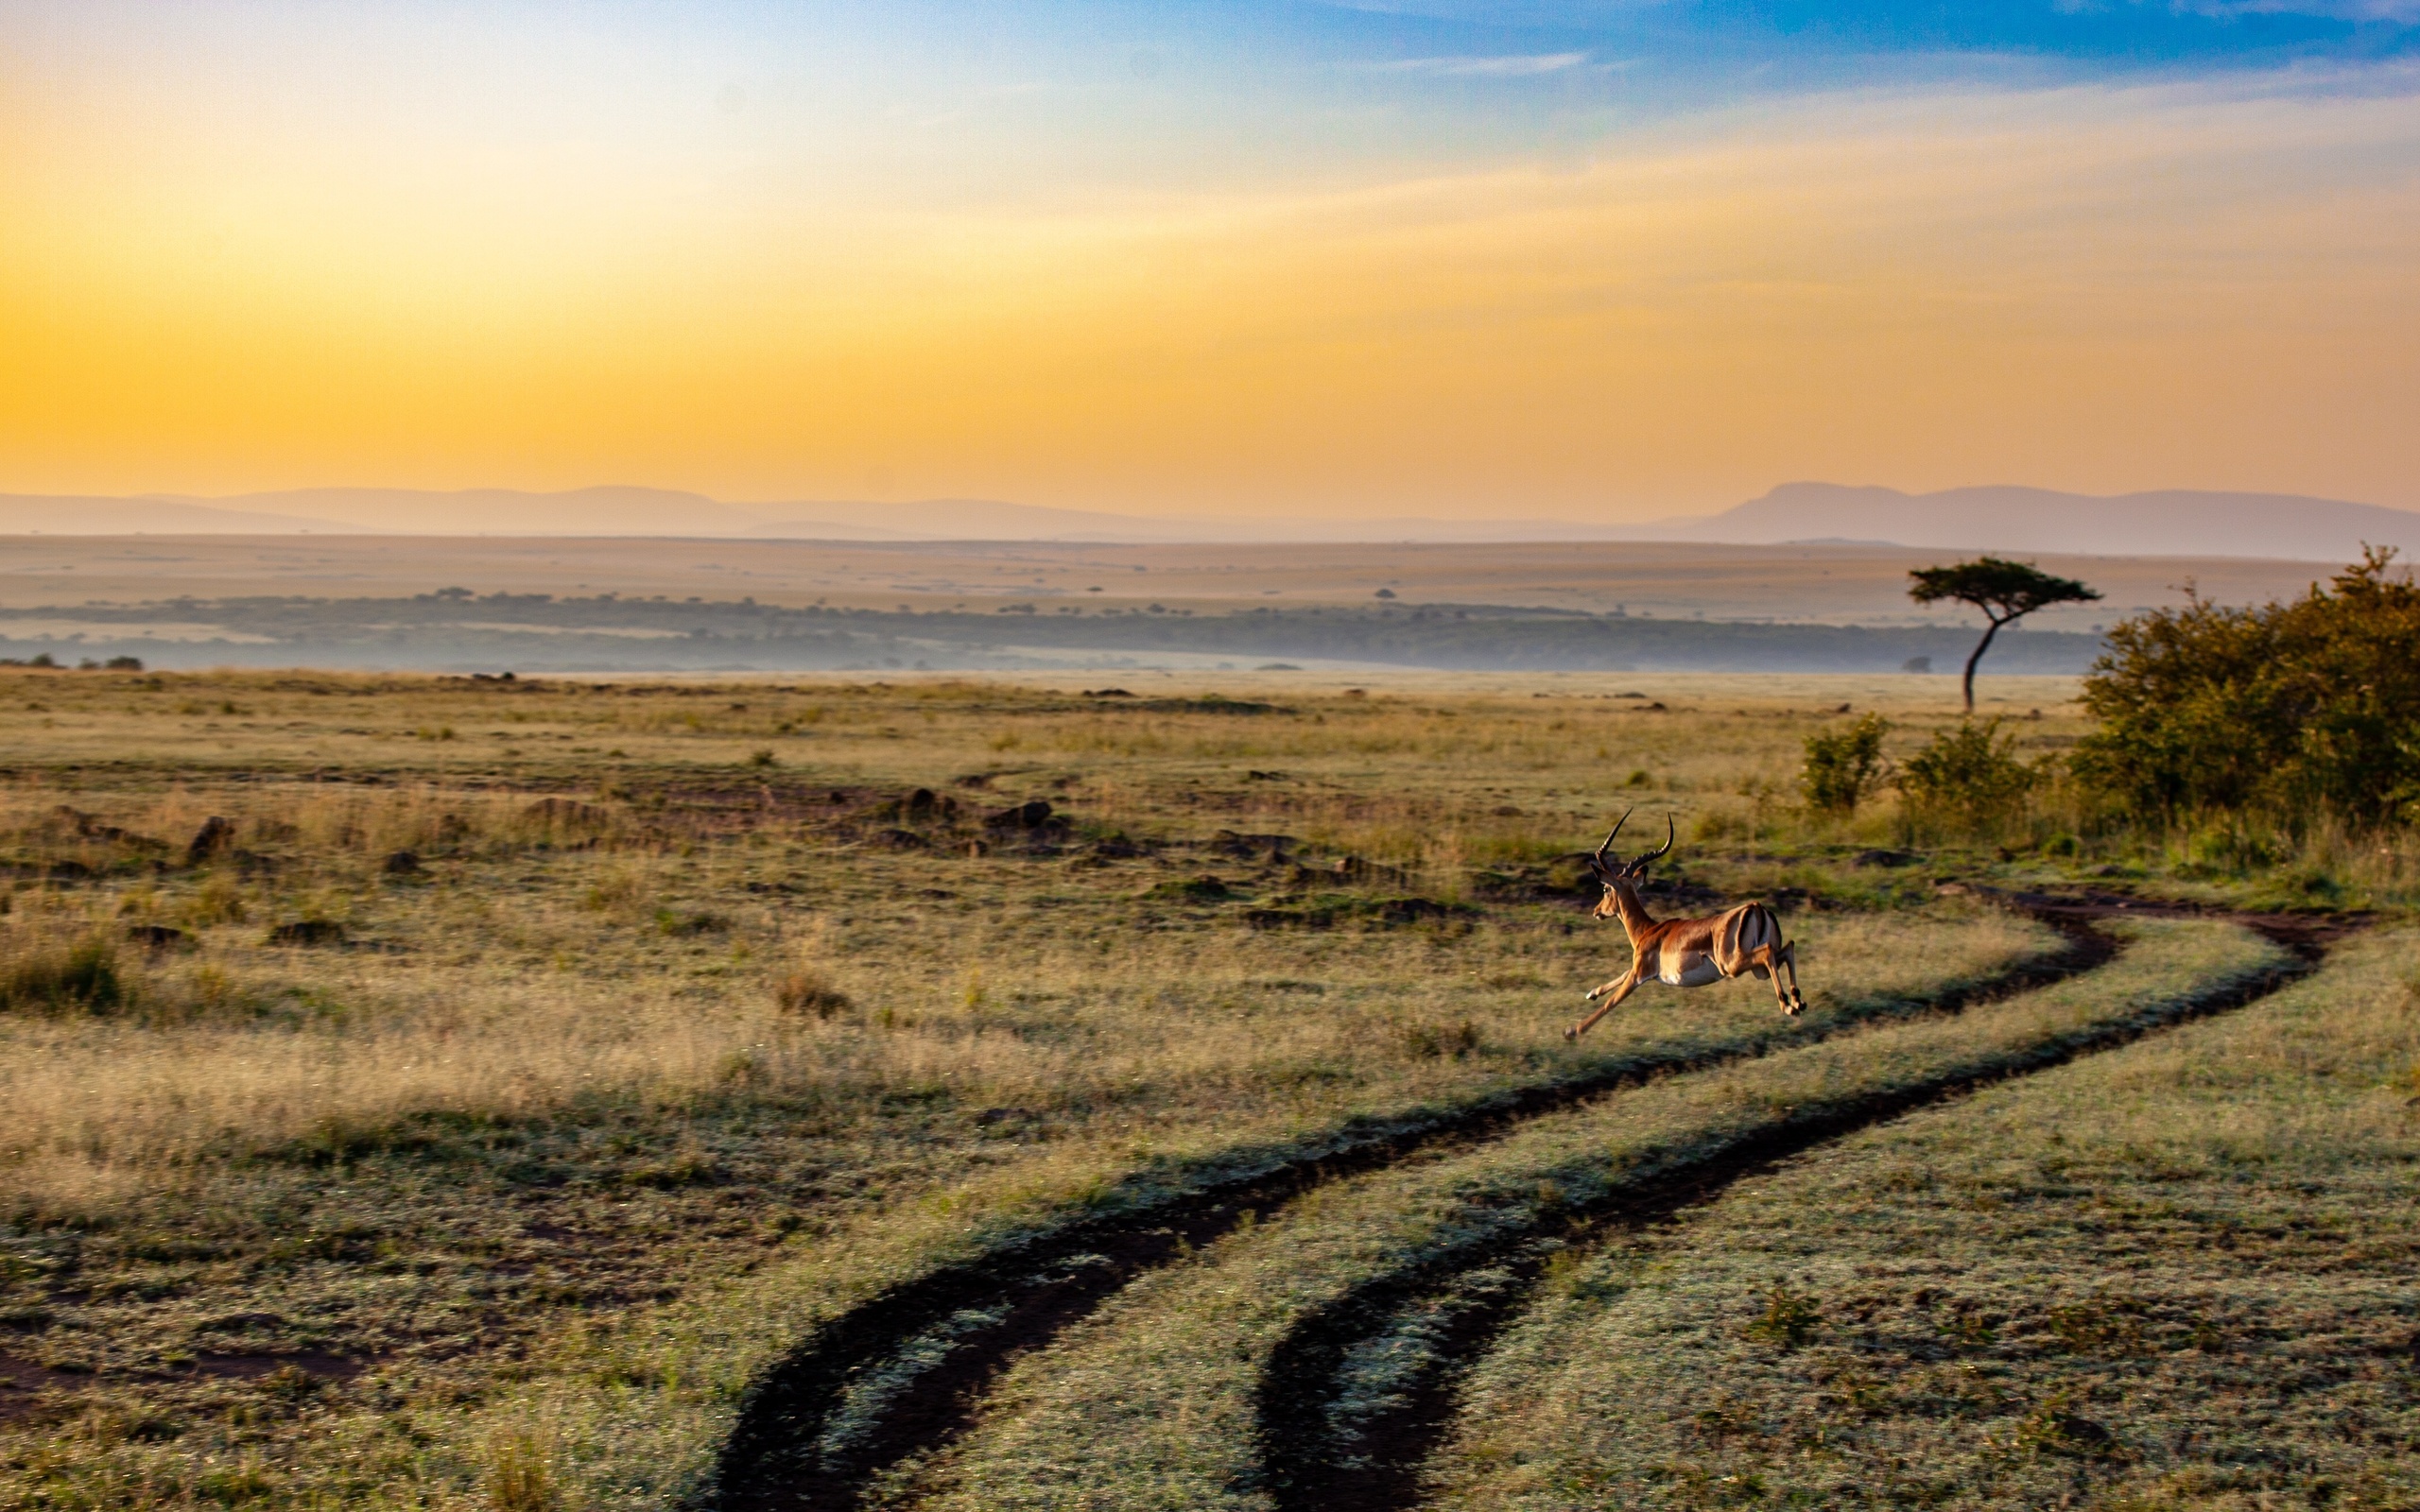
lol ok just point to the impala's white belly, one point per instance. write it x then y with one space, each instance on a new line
1686 970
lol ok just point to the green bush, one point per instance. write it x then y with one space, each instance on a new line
1967 778
1844 766
2291 708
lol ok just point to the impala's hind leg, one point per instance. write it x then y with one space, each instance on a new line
1768 961
1787 956
1616 989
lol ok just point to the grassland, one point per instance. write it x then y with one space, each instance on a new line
1164 1401
2175 1276
1827 584
524 1067
610 607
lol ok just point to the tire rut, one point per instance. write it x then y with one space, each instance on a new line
802 1444
1306 1468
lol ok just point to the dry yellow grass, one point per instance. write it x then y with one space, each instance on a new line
502 1012
534 1164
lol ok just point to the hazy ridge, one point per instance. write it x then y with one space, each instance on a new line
2008 518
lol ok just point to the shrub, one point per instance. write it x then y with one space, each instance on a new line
2292 709
1968 777
1844 766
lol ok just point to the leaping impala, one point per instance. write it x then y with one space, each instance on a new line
1744 942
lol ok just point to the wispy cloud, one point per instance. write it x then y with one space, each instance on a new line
1526 65
2400 12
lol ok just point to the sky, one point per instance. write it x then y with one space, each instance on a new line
1585 259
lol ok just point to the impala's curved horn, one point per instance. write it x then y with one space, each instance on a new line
1597 862
1658 853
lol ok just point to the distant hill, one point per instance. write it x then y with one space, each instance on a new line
69 514
2169 522
2174 523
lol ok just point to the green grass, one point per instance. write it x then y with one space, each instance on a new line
2175 1276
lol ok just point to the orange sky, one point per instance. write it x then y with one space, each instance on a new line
2102 284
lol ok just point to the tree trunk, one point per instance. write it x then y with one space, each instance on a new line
1980 646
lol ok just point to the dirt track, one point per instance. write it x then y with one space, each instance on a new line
1031 1293
976 1319
1306 1471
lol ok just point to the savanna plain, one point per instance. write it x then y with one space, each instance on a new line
473 1093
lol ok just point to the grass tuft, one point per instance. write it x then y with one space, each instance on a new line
811 995
57 976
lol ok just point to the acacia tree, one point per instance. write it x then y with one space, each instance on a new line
2006 592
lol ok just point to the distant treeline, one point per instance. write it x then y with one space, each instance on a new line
458 631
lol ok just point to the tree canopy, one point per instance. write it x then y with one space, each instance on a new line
2005 590
2311 706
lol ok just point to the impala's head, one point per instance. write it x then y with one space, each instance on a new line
1618 876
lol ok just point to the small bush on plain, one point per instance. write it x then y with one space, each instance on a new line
1844 766
1967 778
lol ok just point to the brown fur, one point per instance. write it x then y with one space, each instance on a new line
1742 941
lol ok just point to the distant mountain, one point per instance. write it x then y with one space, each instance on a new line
2169 522
71 514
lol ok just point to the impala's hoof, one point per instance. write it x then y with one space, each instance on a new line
1570 1034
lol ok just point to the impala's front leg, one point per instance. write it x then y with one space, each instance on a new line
1616 989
